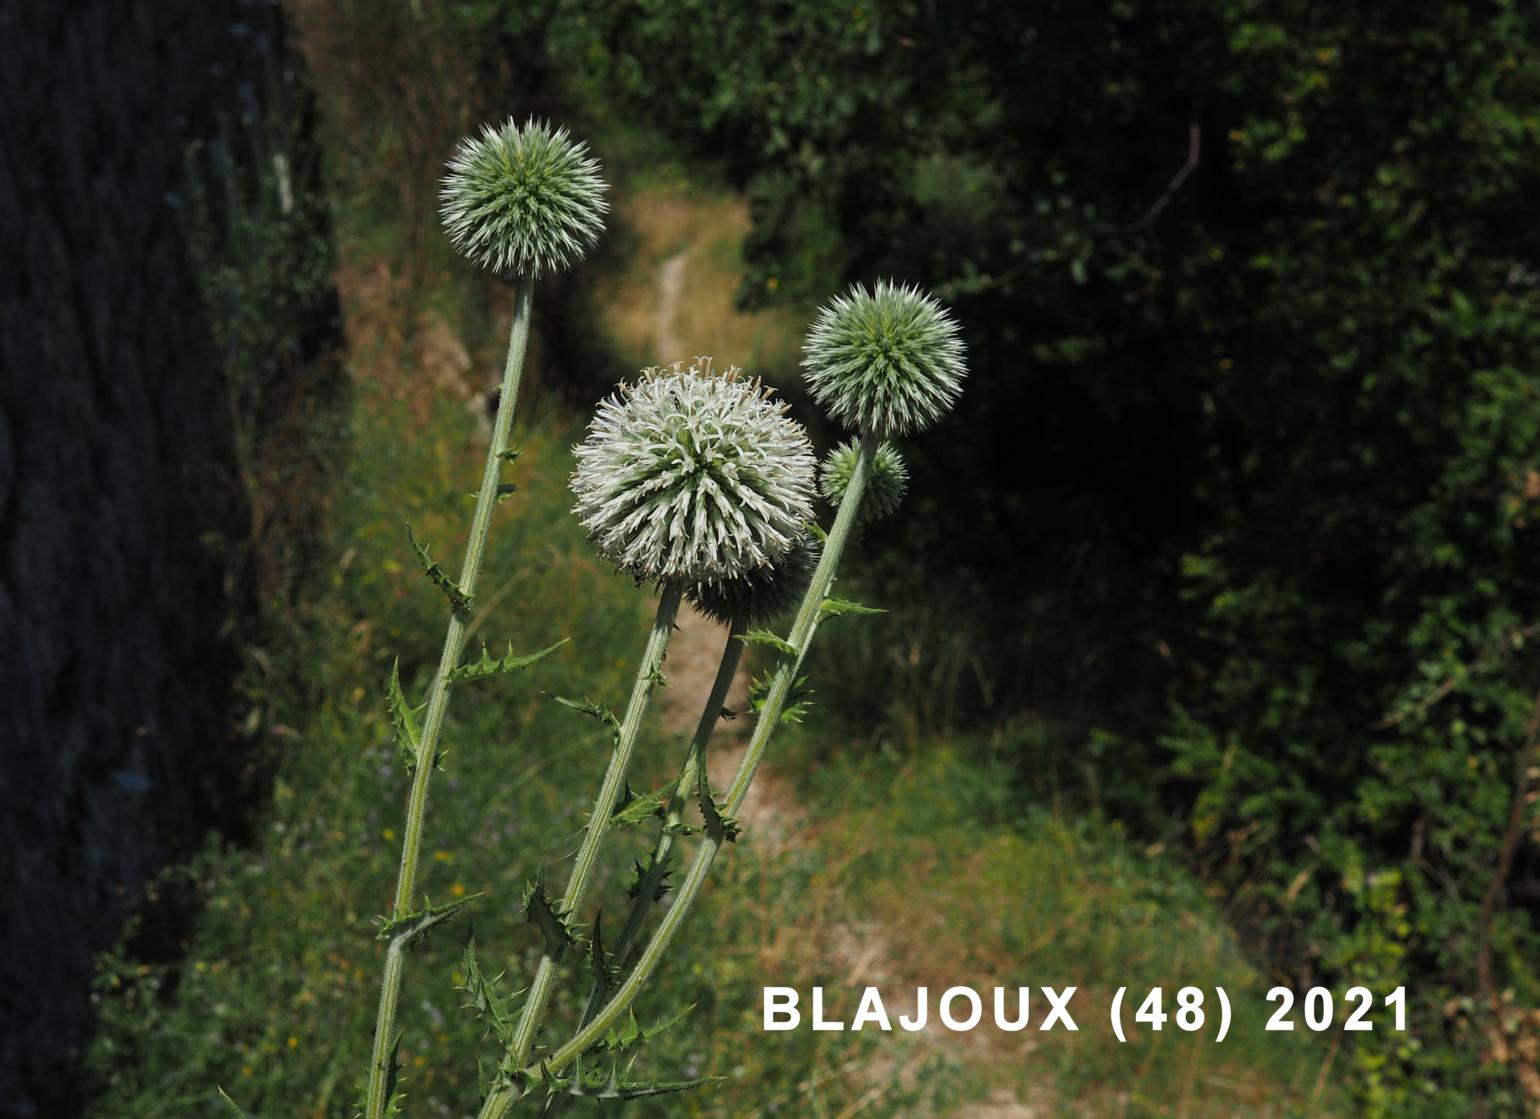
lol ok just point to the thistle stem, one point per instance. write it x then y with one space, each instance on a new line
648 674
382 1057
684 786
801 637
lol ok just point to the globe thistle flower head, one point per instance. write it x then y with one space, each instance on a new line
693 477
759 597
523 200
886 361
887 479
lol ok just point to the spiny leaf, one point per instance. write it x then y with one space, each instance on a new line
592 709
486 666
765 637
600 963
555 926
633 1034
719 826
612 1084
412 927
438 576
484 999
393 1076
403 717
840 607
639 875
798 698
633 810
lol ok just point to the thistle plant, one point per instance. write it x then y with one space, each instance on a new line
523 201
669 491
684 477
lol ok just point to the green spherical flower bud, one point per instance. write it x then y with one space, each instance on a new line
693 477
885 361
523 200
759 597
886 480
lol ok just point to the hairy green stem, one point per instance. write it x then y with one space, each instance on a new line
438 702
801 637
648 674
651 878
684 793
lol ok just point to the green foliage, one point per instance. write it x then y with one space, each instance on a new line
1251 303
437 575
508 662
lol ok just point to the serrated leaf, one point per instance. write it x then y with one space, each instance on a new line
599 962
437 575
393 1076
841 607
719 826
639 875
412 927
798 697
616 1041
403 717
611 1084
633 810
765 637
591 709
509 662
482 991
555 926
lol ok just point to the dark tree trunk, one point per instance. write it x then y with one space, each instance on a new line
121 495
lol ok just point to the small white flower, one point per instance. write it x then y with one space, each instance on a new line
886 361
693 477
523 201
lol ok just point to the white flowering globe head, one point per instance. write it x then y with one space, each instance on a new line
523 200
760 597
693 477
884 362
887 479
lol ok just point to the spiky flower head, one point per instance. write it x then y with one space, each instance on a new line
760 597
885 361
886 480
693 477
523 200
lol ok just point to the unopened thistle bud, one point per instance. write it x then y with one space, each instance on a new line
886 482
523 200
692 476
884 362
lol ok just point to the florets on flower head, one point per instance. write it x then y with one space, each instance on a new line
760 597
693 477
885 361
886 480
523 200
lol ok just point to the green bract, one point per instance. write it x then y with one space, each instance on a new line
523 201
760 597
693 477
885 486
885 361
